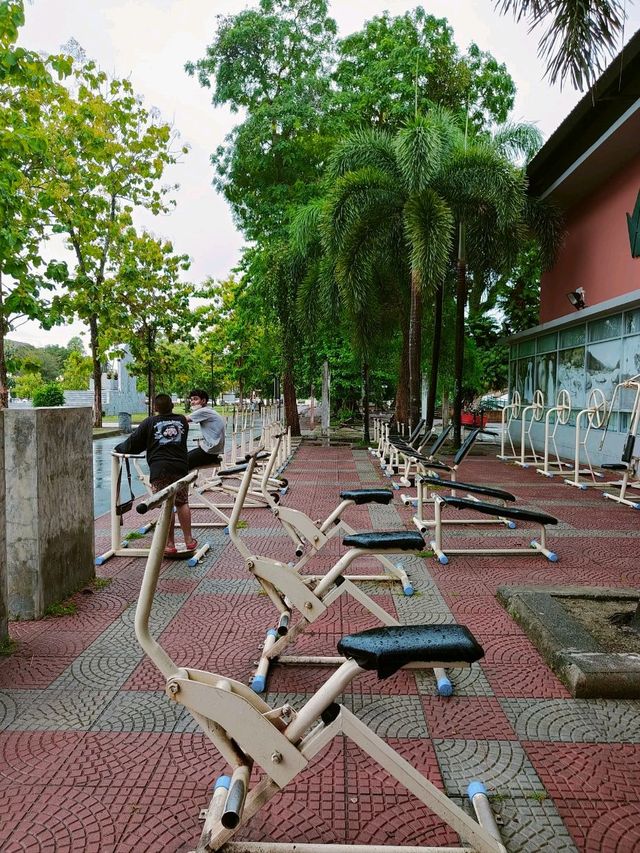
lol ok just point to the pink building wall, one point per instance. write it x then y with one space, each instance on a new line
596 254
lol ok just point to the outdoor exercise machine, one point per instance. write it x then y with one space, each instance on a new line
390 459
510 413
531 413
560 414
595 414
413 460
246 731
423 524
536 548
288 590
119 542
630 461
310 537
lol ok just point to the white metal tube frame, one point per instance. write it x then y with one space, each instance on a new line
510 413
560 414
282 741
536 410
631 453
595 414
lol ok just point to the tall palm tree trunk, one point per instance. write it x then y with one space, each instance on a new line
461 298
402 392
436 346
290 402
415 349
365 399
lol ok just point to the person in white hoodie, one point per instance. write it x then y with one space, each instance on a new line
212 426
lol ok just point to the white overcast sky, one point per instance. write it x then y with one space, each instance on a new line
149 41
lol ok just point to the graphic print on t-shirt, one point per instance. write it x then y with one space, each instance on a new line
168 432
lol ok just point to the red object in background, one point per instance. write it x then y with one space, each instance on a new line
474 419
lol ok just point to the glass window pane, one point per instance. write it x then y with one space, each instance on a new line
571 374
527 347
572 337
632 322
608 327
603 367
630 368
547 343
525 379
546 368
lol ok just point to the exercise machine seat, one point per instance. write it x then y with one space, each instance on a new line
367 496
387 649
501 511
615 466
388 540
489 491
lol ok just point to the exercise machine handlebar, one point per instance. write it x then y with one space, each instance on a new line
165 494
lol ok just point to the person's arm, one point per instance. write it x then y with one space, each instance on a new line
136 442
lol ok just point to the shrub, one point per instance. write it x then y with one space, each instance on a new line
49 395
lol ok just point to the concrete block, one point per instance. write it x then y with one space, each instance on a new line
49 506
4 631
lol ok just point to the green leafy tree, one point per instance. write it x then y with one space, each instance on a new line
50 394
397 67
27 90
149 299
110 155
77 372
76 344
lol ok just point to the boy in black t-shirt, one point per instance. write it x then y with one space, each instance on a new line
164 438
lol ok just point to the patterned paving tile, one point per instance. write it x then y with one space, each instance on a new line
569 721
465 718
502 765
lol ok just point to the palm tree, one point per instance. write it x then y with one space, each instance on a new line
579 37
386 221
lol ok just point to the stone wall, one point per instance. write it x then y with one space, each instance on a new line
49 506
3 546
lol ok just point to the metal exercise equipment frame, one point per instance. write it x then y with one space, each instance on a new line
510 413
246 731
288 590
310 536
119 543
537 548
423 524
630 462
595 414
536 410
560 413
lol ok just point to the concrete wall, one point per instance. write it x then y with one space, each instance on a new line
3 548
49 506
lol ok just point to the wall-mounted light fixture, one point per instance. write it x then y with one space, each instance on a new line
576 298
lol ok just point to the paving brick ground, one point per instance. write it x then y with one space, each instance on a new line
94 757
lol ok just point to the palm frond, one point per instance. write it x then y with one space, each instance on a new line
429 225
518 141
580 36
305 227
546 223
362 149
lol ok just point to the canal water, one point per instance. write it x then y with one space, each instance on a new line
102 448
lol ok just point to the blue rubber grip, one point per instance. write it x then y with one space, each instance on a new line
474 788
408 589
553 557
511 525
226 531
259 683
443 560
272 633
192 561
100 561
222 782
445 687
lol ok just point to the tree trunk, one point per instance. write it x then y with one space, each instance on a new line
97 372
435 356
461 299
290 402
365 400
4 388
402 395
415 350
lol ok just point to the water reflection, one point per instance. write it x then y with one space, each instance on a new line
102 448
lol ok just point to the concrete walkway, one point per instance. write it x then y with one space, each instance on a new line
95 758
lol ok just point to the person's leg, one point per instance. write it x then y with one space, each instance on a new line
183 511
157 486
198 458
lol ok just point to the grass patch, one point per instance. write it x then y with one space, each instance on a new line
8 647
134 534
425 554
538 796
101 583
64 608
241 525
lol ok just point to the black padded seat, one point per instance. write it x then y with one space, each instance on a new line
391 540
489 491
501 511
387 649
367 496
230 472
437 466
615 466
